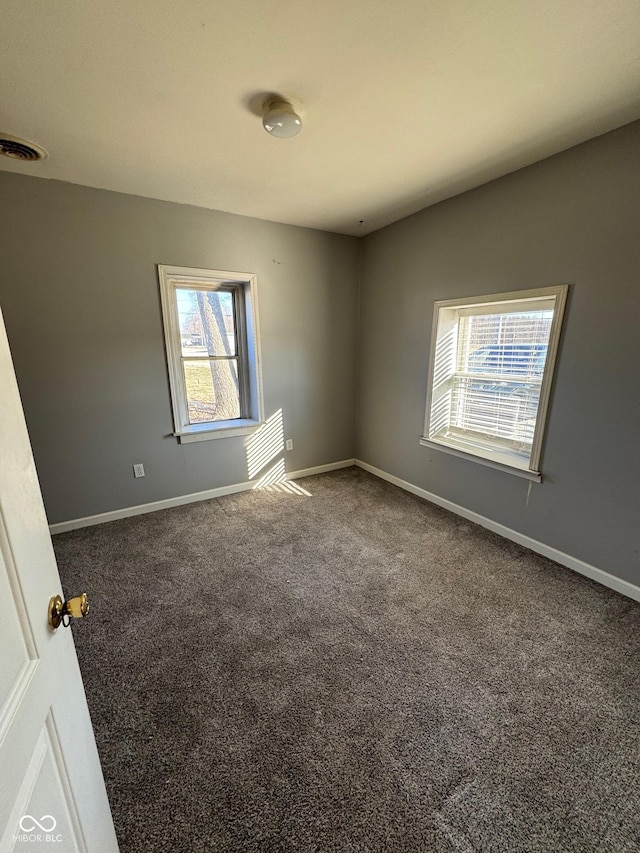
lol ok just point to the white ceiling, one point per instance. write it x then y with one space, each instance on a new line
406 102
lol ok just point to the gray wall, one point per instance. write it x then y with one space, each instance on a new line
572 218
79 292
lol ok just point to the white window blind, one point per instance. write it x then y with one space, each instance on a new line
491 368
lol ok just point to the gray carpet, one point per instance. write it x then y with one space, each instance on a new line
357 670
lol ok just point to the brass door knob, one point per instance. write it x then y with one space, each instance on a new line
76 607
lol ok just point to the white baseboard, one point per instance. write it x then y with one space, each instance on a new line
141 509
321 469
599 575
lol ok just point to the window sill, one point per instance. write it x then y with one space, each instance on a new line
503 464
222 429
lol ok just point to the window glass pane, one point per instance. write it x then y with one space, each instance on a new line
207 324
505 410
509 344
212 390
500 363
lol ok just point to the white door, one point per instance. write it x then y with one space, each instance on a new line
52 794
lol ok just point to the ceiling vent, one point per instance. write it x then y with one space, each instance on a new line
20 149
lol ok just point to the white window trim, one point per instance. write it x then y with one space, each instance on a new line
170 277
485 455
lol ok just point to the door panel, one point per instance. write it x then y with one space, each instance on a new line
18 649
44 792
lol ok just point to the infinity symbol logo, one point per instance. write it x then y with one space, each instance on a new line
42 824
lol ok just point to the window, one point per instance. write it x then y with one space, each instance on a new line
212 351
492 362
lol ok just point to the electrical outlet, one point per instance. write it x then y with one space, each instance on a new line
138 470
289 444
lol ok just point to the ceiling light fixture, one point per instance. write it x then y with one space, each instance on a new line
280 119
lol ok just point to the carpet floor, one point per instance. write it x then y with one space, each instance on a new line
353 670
